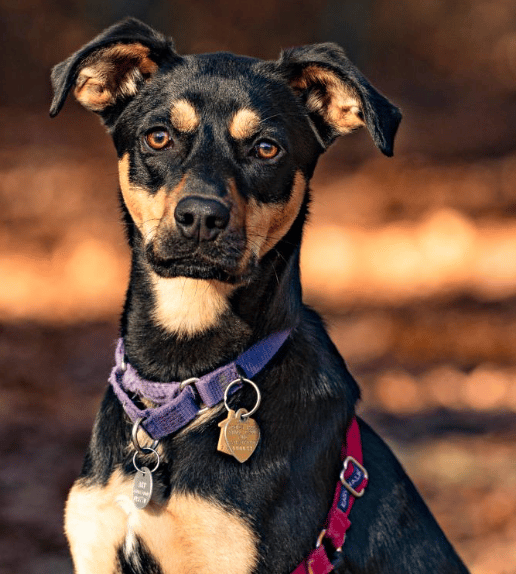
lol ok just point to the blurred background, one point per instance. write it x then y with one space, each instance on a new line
410 259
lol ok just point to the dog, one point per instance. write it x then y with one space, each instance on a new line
215 154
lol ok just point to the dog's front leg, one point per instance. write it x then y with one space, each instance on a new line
96 524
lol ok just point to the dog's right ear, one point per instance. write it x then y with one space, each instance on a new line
112 67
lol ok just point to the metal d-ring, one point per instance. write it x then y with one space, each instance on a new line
192 381
149 449
320 539
255 387
187 382
134 437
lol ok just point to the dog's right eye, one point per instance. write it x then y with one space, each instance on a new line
158 139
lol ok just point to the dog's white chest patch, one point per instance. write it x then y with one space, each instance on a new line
186 534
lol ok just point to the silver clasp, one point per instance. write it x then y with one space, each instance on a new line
345 483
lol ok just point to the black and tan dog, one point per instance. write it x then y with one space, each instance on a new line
215 155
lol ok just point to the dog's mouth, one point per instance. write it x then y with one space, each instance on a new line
168 268
224 262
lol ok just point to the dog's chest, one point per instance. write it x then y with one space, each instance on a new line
185 534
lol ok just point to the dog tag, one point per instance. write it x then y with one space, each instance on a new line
222 445
142 488
242 435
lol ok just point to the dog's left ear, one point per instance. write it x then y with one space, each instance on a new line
337 96
111 68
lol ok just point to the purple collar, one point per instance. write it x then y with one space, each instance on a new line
178 402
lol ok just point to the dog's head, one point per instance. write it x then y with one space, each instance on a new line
215 150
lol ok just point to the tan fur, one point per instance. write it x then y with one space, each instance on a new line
184 116
195 535
147 210
95 526
244 124
187 306
266 224
337 102
111 73
186 534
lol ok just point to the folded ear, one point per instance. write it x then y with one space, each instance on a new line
112 67
337 96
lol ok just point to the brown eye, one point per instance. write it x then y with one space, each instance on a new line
266 150
158 139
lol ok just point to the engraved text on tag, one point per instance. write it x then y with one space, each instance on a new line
142 488
242 435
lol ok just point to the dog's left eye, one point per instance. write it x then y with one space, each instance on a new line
265 149
158 139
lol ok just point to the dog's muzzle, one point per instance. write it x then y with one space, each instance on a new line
201 243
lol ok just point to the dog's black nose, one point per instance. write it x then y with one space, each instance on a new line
201 218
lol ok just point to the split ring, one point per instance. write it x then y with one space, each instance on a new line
255 387
149 449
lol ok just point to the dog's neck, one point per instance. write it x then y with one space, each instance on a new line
178 328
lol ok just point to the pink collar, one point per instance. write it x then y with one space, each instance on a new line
353 480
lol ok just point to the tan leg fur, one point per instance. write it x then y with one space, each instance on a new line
186 535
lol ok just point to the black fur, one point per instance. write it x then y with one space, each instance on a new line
139 561
286 487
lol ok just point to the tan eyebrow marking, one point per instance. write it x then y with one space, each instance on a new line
184 116
244 124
